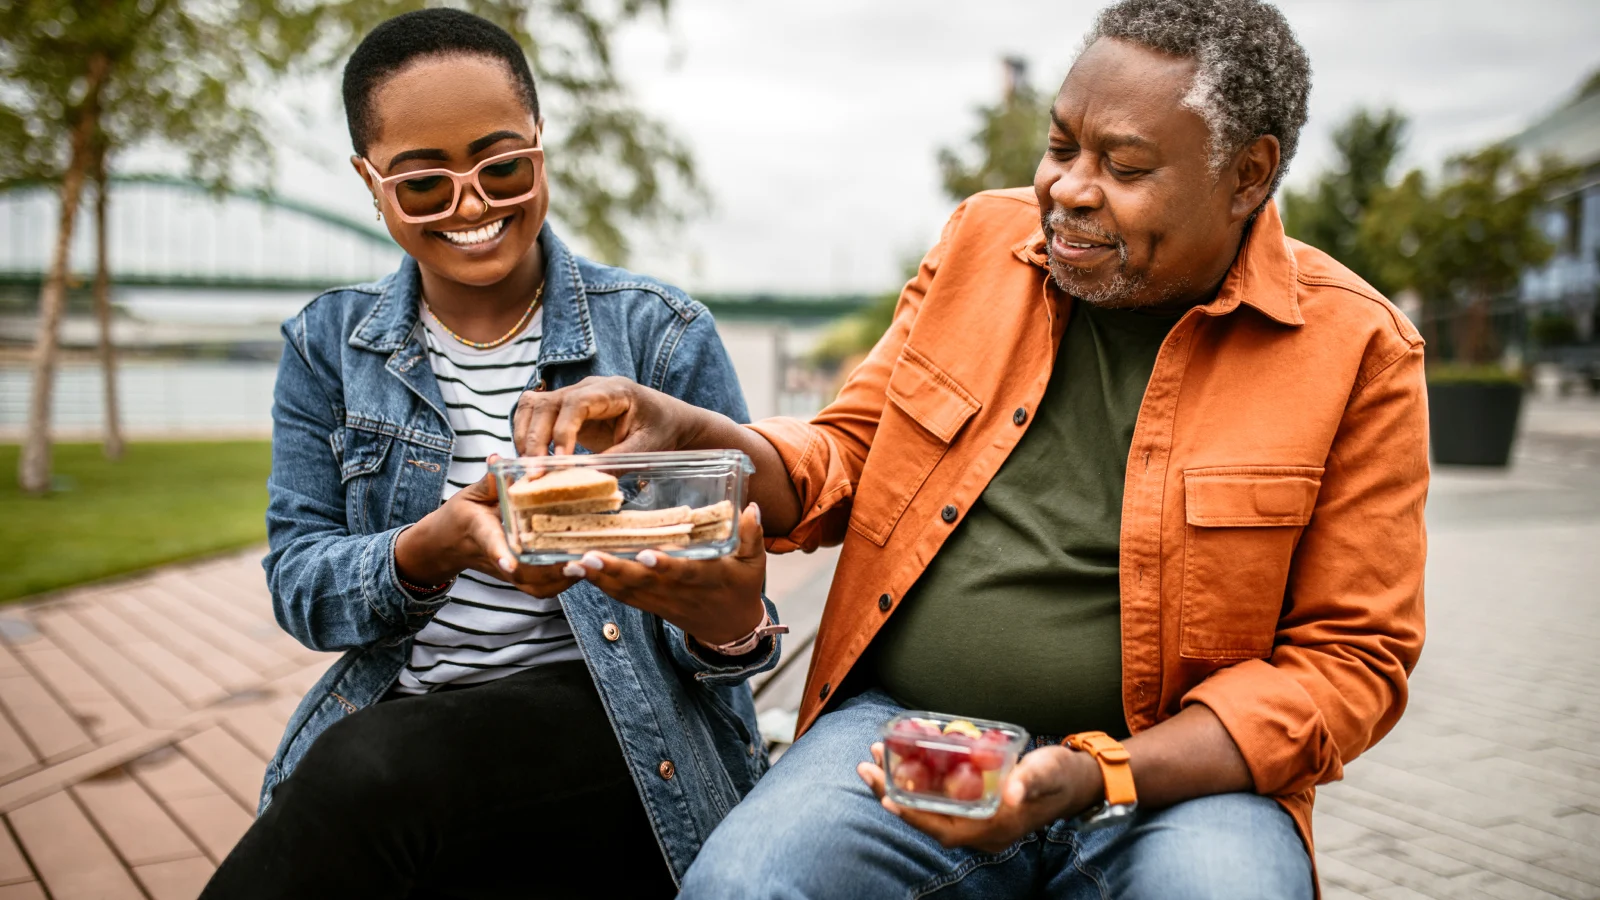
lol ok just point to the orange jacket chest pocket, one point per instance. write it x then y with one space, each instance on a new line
1242 524
924 410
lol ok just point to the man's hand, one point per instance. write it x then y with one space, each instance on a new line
1048 784
716 601
604 413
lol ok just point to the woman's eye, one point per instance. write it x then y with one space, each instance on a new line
422 185
502 169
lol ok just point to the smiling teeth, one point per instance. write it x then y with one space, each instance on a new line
1079 246
476 235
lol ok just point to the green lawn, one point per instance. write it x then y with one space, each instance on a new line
162 502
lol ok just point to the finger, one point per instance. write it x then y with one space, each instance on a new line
877 753
584 407
672 570
547 588
626 581
873 776
751 546
536 415
491 538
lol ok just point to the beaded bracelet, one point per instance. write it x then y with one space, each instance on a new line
417 589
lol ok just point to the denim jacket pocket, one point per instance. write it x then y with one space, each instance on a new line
925 411
1242 524
360 448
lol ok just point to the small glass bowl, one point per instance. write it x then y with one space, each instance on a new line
947 764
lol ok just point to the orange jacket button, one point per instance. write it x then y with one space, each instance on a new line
823 694
949 514
1019 417
885 602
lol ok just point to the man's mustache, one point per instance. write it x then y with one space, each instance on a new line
1061 220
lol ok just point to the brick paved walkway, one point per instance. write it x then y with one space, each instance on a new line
1490 785
136 718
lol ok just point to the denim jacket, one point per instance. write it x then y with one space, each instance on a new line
360 449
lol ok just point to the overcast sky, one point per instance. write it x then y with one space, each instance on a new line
815 125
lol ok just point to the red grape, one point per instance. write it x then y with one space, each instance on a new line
914 777
990 754
964 783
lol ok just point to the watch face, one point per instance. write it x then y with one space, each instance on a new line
1103 815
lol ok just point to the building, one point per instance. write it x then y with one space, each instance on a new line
1570 283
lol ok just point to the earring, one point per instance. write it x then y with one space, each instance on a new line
378 214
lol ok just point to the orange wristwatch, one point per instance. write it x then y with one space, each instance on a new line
1121 799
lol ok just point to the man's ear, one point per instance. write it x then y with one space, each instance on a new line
1254 166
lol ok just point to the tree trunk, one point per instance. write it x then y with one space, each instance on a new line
102 310
34 467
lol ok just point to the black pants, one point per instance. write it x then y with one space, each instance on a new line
515 788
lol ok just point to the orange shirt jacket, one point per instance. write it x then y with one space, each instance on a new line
1272 522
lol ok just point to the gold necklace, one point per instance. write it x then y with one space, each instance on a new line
538 295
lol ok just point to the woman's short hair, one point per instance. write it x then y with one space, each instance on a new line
398 42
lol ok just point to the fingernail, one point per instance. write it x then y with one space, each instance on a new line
758 513
646 559
592 561
573 570
508 564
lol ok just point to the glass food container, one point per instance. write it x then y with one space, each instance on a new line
949 765
684 503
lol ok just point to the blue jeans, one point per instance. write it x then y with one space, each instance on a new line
812 829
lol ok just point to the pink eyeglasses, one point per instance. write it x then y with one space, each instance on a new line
428 195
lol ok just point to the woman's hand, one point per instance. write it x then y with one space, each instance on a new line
717 601
605 413
466 533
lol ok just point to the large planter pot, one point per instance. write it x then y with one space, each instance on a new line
1473 423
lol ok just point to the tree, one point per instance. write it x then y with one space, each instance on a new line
1465 241
90 77
86 79
1329 215
1010 140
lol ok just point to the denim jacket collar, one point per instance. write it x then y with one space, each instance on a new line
568 332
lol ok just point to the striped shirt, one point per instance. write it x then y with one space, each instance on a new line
487 629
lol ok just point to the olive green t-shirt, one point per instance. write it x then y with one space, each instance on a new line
1018 616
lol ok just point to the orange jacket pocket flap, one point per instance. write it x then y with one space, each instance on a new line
1251 496
935 400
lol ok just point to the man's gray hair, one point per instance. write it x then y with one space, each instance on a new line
1252 79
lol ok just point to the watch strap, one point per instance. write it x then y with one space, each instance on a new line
751 641
1114 764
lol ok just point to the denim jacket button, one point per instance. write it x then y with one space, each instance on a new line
750 749
611 631
667 769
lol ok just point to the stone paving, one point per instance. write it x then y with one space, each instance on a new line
1490 785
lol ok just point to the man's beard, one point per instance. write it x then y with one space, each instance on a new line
1123 290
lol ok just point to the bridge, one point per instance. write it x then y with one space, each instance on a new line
170 234
206 275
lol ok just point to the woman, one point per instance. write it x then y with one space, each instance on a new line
492 728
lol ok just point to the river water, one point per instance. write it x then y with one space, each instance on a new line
185 397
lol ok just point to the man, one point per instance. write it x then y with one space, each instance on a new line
1152 471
